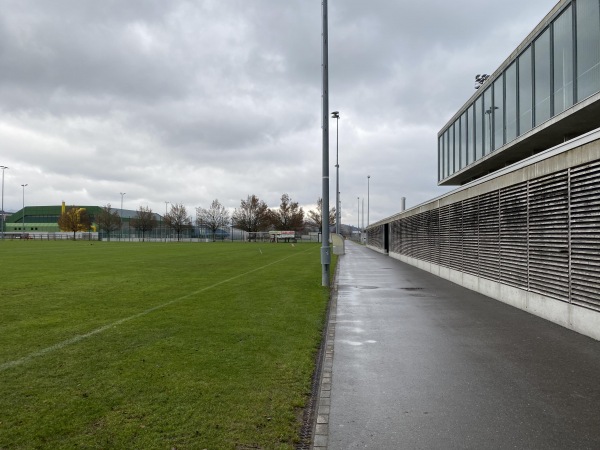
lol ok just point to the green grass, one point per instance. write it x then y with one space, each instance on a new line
126 345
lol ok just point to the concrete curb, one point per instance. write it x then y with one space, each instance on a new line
321 426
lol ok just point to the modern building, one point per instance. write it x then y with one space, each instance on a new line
545 93
524 225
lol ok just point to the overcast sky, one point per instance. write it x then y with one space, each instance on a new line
188 101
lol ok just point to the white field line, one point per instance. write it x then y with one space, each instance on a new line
81 337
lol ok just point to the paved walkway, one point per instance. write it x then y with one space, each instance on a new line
416 362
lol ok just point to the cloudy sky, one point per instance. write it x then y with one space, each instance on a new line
187 101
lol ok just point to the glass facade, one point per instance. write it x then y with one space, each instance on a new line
525 92
463 140
542 77
470 134
563 61
498 114
510 105
560 68
588 48
479 128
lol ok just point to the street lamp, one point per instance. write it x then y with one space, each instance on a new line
23 186
3 219
368 197
336 115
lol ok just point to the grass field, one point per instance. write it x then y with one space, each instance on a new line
143 346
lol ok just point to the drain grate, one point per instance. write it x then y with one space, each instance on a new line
309 418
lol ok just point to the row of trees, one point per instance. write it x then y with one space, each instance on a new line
253 215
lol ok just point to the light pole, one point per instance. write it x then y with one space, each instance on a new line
166 203
23 186
368 197
358 216
325 250
121 214
3 169
336 116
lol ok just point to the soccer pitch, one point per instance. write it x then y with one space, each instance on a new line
156 345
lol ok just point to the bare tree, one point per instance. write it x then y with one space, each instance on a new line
252 215
74 219
214 218
314 218
108 220
289 216
177 219
143 221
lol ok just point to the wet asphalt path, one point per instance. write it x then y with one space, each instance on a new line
421 363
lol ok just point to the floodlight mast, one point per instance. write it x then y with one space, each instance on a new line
336 115
325 251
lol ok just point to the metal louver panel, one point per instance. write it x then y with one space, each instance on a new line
585 236
445 251
456 237
420 250
549 235
434 236
471 236
513 235
489 236
395 236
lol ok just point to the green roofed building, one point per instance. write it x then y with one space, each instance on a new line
44 219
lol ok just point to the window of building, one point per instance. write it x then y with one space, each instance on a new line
488 107
510 103
542 77
441 172
463 140
448 155
470 129
525 92
451 151
498 113
478 132
588 48
457 152
563 61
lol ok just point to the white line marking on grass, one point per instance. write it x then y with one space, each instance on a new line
81 337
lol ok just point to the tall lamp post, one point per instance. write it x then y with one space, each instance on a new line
3 215
358 217
23 186
368 197
121 214
166 203
336 115
325 250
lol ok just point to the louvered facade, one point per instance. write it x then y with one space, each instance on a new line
530 231
524 227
